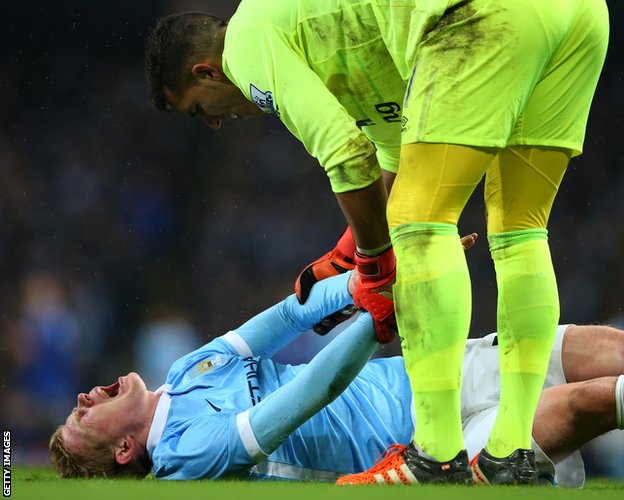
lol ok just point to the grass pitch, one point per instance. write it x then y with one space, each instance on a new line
38 484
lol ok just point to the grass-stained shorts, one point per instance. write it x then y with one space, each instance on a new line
494 73
480 398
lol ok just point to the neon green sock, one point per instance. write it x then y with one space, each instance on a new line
433 306
528 313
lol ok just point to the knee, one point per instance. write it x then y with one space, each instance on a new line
579 399
394 214
612 361
502 220
615 351
589 400
406 205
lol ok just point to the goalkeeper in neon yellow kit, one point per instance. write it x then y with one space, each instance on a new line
457 90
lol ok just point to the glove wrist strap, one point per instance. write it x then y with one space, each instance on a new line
378 266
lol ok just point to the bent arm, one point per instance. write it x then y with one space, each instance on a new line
269 331
330 372
270 70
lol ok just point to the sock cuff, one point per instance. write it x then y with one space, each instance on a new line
619 402
498 241
423 228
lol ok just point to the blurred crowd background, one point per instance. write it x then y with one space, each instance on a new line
128 237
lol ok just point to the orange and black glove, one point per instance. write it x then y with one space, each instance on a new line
373 291
328 323
337 261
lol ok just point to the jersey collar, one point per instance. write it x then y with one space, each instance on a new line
160 419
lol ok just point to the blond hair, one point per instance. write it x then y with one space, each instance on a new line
93 460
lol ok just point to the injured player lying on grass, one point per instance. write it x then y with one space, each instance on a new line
228 410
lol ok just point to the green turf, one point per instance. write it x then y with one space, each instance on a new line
41 484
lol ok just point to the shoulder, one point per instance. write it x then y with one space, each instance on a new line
205 358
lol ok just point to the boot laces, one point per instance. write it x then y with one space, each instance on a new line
387 458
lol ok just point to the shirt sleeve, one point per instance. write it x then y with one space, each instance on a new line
263 64
215 446
317 385
269 331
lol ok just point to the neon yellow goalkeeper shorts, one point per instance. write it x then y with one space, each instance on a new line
494 73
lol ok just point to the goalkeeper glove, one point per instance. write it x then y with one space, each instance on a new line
338 261
328 323
373 291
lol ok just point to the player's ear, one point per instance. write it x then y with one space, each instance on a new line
126 449
208 70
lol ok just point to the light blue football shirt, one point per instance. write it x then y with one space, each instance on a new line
228 410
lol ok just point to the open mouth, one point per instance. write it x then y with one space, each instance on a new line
110 391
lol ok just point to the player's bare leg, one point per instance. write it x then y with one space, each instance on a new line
568 416
592 351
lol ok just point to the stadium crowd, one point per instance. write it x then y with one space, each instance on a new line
113 219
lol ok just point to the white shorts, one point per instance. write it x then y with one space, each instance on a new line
480 397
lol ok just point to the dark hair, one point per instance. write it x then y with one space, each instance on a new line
176 42
93 460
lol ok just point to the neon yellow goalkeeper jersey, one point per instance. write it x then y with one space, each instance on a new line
334 71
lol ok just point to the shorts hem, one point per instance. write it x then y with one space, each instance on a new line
575 148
